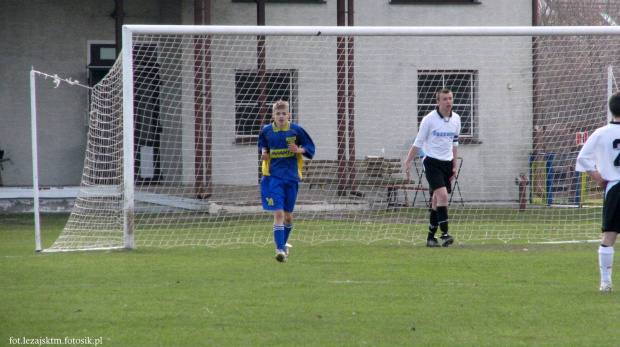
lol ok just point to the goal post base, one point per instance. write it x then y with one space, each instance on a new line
57 250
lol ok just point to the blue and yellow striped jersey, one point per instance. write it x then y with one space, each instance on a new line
283 163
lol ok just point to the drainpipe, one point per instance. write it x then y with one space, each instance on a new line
203 168
261 68
119 18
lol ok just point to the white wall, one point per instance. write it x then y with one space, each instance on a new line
398 114
52 37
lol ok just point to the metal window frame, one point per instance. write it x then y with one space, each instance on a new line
249 138
472 96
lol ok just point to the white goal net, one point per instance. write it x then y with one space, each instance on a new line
172 157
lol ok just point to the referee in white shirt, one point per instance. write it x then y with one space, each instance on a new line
438 138
600 158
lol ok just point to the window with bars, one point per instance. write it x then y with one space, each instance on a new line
279 85
434 2
287 1
463 84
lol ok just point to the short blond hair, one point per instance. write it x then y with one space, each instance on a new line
279 105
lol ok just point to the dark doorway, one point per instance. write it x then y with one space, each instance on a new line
147 122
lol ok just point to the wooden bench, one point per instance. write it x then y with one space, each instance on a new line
372 171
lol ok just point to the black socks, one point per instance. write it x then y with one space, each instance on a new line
442 217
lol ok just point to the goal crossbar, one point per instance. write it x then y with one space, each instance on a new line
371 31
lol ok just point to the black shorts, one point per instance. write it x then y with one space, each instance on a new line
611 210
438 173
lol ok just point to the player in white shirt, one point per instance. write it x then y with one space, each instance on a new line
600 158
438 138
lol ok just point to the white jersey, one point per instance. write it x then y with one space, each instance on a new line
437 135
601 152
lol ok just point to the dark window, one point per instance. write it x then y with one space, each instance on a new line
279 85
287 1
102 56
434 2
463 86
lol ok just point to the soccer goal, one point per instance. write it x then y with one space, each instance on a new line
172 158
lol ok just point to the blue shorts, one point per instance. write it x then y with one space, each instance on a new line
278 194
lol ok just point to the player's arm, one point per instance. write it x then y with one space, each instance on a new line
412 153
263 146
417 145
296 149
306 145
264 156
586 160
596 176
455 150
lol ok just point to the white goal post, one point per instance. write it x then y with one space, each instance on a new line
172 157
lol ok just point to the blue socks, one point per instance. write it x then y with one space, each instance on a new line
279 237
281 234
287 232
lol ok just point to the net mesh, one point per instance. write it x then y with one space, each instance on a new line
200 101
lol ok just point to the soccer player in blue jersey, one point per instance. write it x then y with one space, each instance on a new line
438 138
282 145
600 158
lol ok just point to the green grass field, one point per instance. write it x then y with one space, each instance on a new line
331 294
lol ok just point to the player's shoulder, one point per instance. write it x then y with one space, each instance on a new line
606 129
455 117
295 126
432 113
431 116
267 127
606 132
613 126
